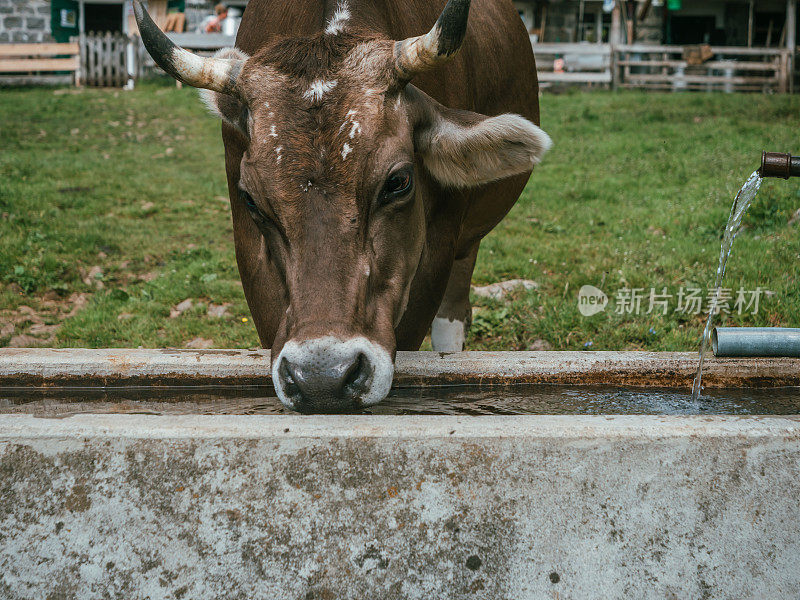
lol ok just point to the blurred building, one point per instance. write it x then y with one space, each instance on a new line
678 45
34 21
748 45
714 22
678 22
198 10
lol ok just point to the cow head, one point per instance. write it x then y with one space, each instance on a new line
334 134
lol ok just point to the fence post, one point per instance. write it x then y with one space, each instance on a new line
89 59
614 38
130 62
784 73
791 41
79 71
122 67
97 67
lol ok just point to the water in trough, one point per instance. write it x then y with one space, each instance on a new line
429 400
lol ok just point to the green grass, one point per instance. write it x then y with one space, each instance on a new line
635 193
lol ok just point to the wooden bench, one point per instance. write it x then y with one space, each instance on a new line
41 58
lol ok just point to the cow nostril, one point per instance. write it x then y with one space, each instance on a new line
358 375
352 371
288 377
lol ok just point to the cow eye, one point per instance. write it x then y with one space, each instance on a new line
249 202
256 213
398 184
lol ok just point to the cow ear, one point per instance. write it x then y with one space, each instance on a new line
228 108
464 149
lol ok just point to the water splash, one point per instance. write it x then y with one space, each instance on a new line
740 205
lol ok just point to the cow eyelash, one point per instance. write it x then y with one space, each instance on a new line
255 212
251 205
259 217
249 202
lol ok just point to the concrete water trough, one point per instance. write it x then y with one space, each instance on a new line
172 505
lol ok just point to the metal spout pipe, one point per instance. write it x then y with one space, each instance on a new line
780 165
755 342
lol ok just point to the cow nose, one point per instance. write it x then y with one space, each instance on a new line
330 375
332 387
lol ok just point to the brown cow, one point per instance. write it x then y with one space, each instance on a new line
359 200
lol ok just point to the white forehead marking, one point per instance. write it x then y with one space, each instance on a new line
272 131
348 119
318 89
346 149
355 126
279 152
339 19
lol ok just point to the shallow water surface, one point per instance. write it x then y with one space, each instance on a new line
438 400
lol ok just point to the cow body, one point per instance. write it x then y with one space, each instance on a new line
359 198
494 73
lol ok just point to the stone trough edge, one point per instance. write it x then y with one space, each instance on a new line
110 367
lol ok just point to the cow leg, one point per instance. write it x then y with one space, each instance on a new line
449 328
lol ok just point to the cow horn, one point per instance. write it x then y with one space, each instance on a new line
218 74
419 54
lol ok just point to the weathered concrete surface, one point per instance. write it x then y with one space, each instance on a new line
195 367
390 508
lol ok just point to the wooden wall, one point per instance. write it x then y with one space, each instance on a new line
157 10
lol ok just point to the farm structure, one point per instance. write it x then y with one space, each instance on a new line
714 45
110 51
722 45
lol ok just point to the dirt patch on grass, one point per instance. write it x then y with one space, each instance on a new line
36 324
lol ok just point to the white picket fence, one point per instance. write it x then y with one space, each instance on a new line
103 59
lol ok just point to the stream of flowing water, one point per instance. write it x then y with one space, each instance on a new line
740 205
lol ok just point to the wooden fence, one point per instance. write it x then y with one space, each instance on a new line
573 63
730 69
34 60
103 57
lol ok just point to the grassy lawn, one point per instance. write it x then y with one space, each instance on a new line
113 211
